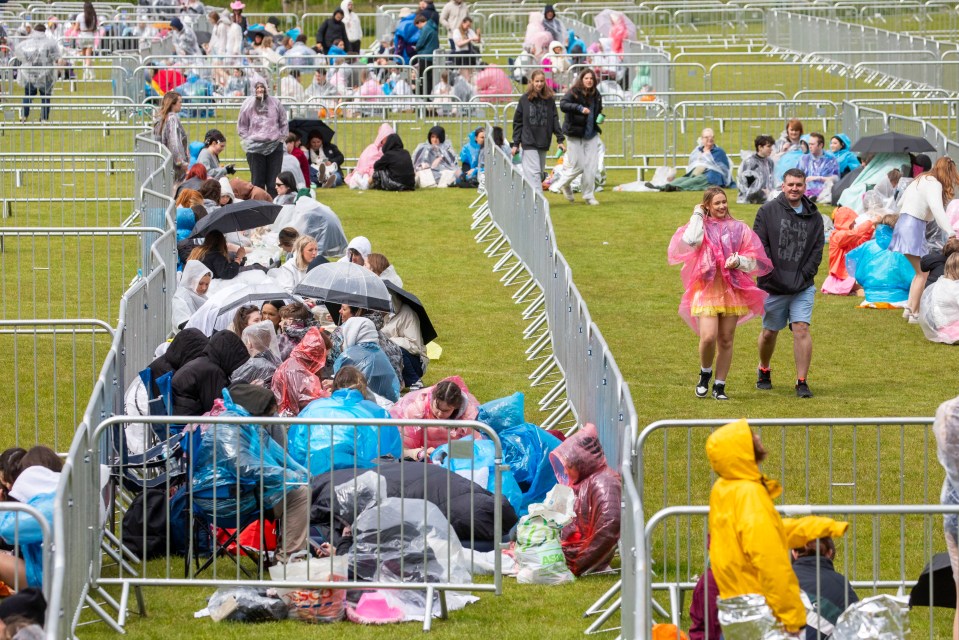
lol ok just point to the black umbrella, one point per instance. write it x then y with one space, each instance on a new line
239 216
426 325
892 142
203 37
844 184
943 585
345 283
304 126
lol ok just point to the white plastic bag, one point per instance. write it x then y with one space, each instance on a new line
539 551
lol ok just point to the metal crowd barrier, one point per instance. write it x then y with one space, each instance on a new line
808 34
24 512
884 550
207 511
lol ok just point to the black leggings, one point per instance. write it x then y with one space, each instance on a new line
265 168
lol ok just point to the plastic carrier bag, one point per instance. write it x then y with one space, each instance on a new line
539 550
314 605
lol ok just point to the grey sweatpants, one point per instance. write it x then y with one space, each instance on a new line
582 157
534 165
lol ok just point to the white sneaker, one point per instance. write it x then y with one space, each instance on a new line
568 192
591 201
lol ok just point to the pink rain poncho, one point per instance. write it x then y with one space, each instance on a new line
589 541
417 406
537 37
372 153
710 288
493 81
295 384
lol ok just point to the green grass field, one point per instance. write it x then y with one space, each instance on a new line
865 363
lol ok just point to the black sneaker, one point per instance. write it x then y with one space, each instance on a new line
702 387
764 379
802 389
719 392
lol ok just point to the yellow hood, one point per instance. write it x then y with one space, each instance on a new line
731 455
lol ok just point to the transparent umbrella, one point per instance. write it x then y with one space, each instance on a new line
346 283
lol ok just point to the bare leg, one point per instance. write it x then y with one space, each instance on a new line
918 284
727 332
13 572
767 345
708 331
802 348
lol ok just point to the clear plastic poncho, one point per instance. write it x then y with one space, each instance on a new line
322 448
314 219
36 50
939 311
589 541
260 340
480 468
232 464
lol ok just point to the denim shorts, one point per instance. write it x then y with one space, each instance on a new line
778 311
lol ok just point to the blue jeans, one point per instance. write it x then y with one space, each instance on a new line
412 368
30 90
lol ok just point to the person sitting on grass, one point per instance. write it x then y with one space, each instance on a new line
756 182
846 236
31 478
885 275
437 155
471 157
393 171
821 169
828 590
708 166
214 254
934 263
286 188
939 311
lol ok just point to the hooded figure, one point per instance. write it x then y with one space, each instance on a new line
36 486
354 30
260 340
361 349
38 55
556 63
200 382
332 29
750 542
846 236
393 171
184 39
295 383
589 541
885 275
360 177
437 157
554 25
352 446
187 299
361 244
846 159
418 405
946 429
537 38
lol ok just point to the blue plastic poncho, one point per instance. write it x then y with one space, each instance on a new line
480 468
231 459
185 221
375 366
24 530
884 274
789 160
846 159
471 155
322 448
870 176
526 448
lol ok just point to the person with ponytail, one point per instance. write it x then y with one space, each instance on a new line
169 132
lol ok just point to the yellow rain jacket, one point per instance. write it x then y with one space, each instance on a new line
749 551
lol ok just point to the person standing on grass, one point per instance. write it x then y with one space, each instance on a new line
38 56
922 202
263 128
168 131
719 256
791 230
534 123
583 106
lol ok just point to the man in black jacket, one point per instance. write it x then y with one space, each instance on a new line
828 590
791 230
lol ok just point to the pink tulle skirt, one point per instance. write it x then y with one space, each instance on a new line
716 298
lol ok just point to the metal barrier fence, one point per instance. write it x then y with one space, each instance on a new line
23 514
321 490
594 387
810 34
884 550
859 120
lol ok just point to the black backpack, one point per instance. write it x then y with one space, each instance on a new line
149 510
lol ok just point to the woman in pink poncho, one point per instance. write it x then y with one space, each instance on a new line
448 399
359 178
720 255
493 81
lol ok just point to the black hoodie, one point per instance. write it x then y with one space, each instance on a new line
793 241
186 346
396 161
535 122
198 383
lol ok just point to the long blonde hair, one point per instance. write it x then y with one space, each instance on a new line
301 243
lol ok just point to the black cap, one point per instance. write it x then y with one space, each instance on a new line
28 603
